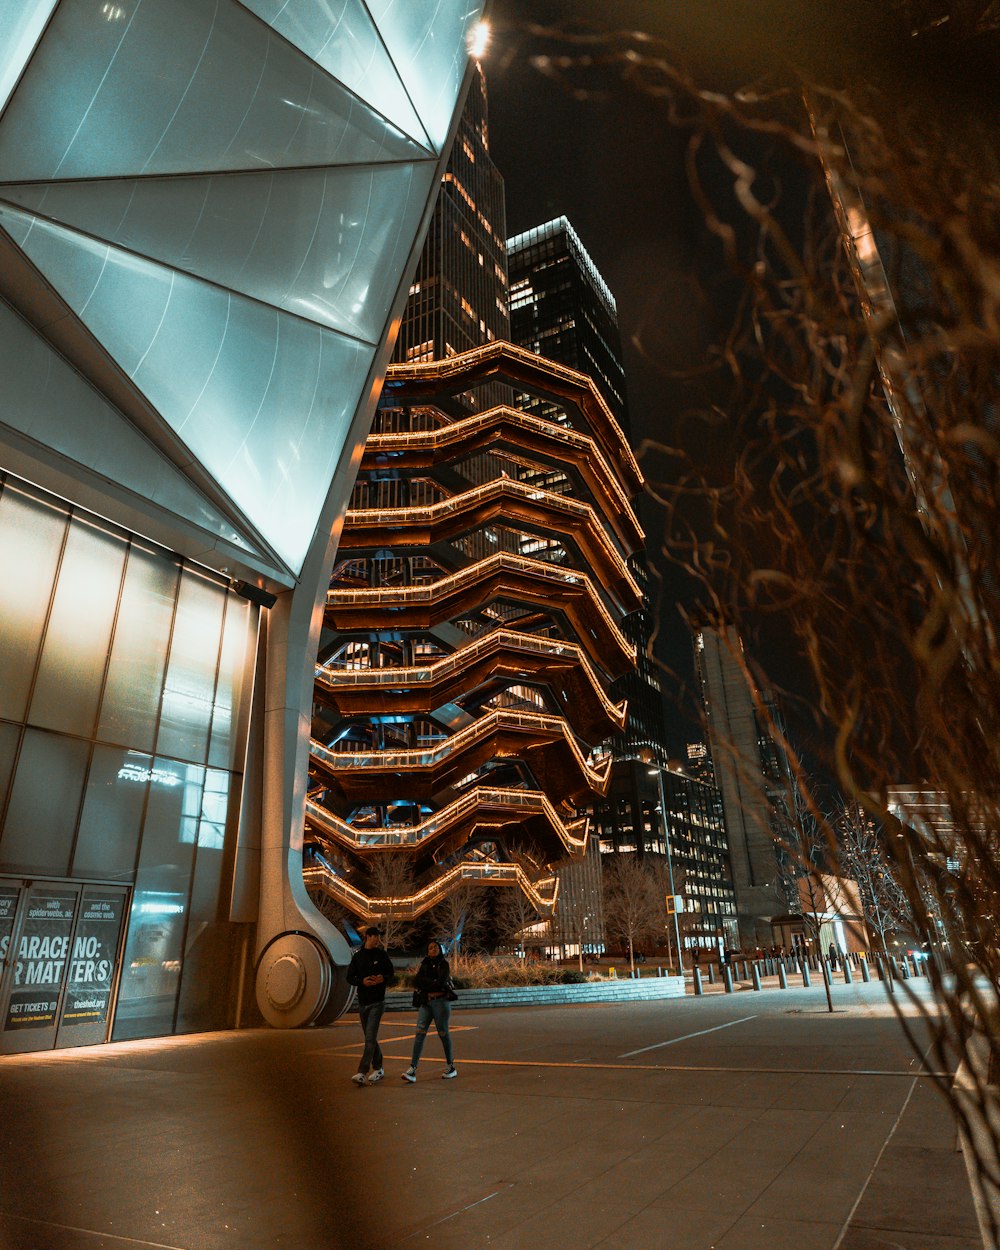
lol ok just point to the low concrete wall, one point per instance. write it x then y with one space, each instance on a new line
549 995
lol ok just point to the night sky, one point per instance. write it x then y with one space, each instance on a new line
615 166
587 143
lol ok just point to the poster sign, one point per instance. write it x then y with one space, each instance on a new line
8 910
92 963
41 957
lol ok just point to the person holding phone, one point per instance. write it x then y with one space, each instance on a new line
371 971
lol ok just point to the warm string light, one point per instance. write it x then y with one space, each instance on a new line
498 639
597 772
573 836
502 561
412 905
458 432
430 515
529 366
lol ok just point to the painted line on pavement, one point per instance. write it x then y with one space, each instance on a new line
458 1211
120 1238
687 1036
576 1066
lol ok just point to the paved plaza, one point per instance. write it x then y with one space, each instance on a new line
753 1121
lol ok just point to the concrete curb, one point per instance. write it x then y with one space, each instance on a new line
649 988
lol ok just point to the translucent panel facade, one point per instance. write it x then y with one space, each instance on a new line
227 94
109 781
207 216
339 35
427 42
263 400
22 22
40 388
324 244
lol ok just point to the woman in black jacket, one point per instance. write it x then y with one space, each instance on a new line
433 997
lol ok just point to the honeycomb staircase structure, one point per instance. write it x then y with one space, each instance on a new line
472 629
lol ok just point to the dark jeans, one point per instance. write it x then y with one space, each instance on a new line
371 1018
438 1010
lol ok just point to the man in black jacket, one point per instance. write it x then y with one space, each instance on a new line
371 971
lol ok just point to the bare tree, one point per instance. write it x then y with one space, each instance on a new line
461 916
391 877
865 860
634 908
513 916
845 483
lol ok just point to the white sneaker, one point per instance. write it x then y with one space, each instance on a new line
359 1078
448 1073
410 1075
376 1075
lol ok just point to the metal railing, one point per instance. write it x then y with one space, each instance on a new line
431 514
457 661
458 432
502 561
455 366
595 766
366 907
573 835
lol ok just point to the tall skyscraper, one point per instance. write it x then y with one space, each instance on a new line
561 308
458 296
752 775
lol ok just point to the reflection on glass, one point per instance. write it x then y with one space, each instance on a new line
263 400
142 634
31 538
228 94
154 949
108 840
427 42
44 804
339 36
189 688
325 244
232 687
78 636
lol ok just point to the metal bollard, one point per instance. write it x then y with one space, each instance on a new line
848 974
782 977
728 975
711 974
827 975
698 988
756 976
806 980
866 975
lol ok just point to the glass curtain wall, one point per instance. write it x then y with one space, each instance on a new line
124 693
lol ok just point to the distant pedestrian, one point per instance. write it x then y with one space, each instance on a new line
433 997
371 971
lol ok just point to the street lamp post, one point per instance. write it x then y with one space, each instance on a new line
658 770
